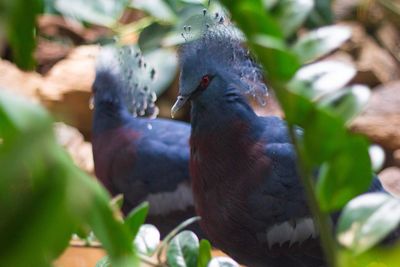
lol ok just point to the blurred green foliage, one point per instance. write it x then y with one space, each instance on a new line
101 12
44 197
18 20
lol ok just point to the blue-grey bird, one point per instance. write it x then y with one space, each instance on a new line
145 159
245 181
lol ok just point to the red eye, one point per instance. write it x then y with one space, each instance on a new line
205 81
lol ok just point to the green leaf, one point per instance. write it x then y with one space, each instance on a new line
204 253
166 63
368 219
20 21
347 103
147 239
278 62
296 106
151 38
290 14
136 218
104 262
156 8
320 42
318 79
222 262
385 256
91 239
391 10
117 201
346 175
253 19
32 186
83 232
179 228
319 127
195 1
89 202
102 12
173 233
49 7
28 117
321 15
183 250
269 3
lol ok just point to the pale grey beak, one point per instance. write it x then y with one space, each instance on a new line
180 101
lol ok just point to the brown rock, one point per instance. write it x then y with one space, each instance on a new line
58 26
375 65
342 57
367 12
396 157
344 9
390 10
49 53
75 73
389 36
381 119
390 179
354 48
357 37
377 60
66 90
22 83
72 140
75 256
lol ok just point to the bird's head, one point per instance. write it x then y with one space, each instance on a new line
107 84
123 79
214 63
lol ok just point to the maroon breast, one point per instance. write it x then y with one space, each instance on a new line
107 146
226 166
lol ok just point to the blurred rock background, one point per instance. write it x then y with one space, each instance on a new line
67 49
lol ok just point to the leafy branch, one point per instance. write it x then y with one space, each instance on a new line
315 96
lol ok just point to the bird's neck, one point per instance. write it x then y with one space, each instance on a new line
109 115
224 116
222 131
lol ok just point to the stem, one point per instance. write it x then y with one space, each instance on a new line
322 219
134 27
148 261
175 231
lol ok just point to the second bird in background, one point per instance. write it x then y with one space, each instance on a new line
142 158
